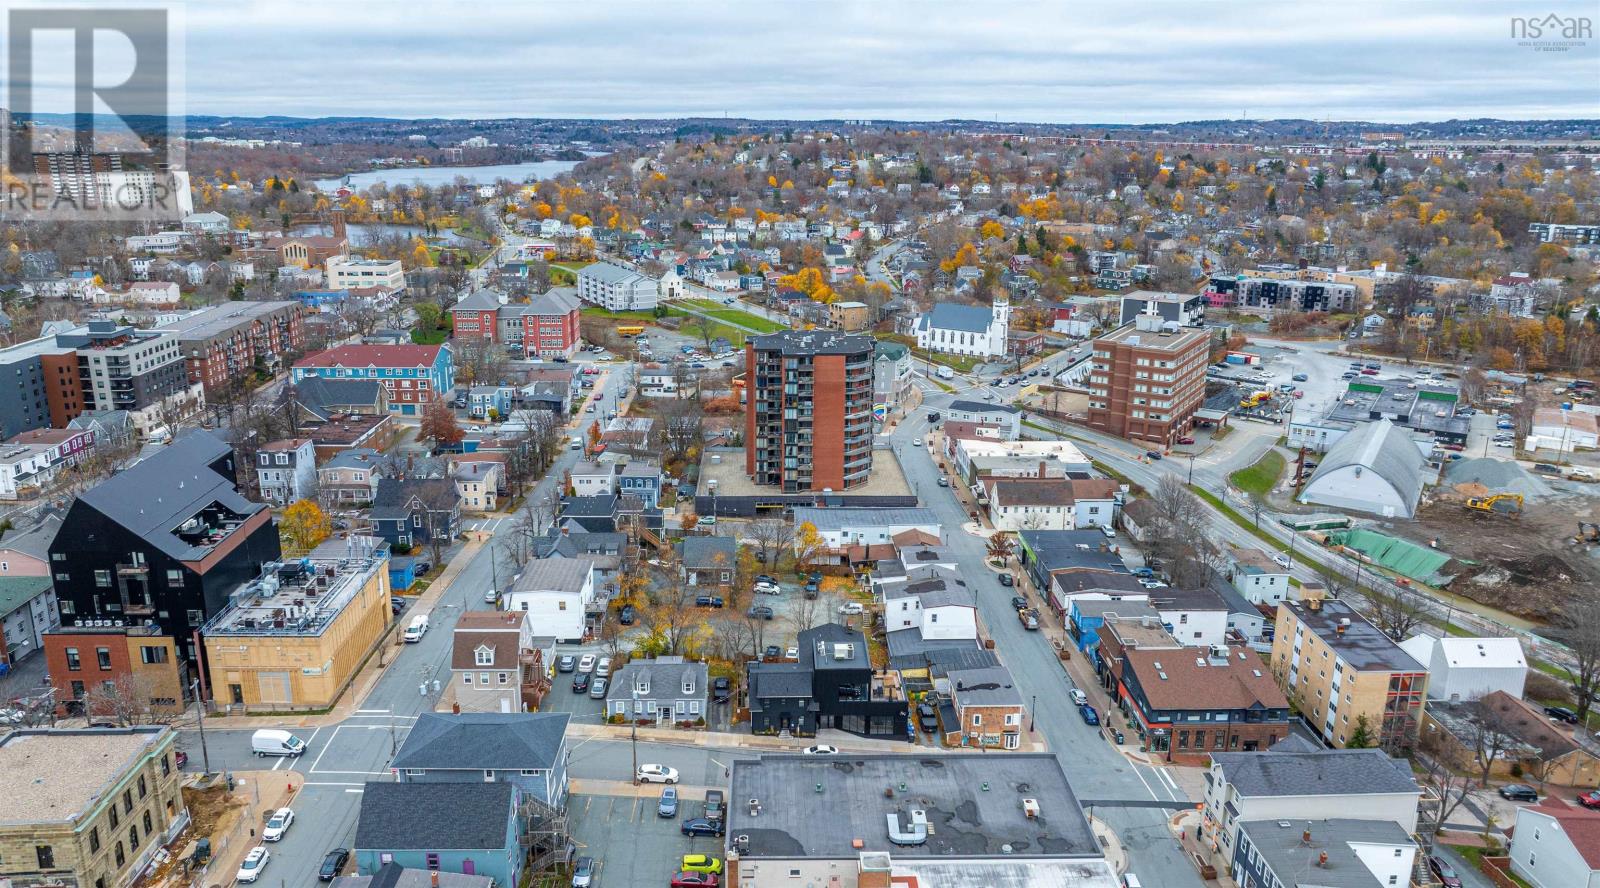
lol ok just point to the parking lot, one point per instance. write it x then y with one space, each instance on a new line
644 848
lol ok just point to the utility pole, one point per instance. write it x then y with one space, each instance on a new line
200 712
634 718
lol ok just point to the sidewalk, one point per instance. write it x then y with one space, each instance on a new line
371 671
1185 826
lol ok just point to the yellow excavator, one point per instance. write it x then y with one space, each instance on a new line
1499 504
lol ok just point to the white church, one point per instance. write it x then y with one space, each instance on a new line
966 329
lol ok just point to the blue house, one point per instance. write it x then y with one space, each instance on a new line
641 479
1088 617
526 749
402 572
483 398
468 828
412 374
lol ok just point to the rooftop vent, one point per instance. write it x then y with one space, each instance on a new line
908 828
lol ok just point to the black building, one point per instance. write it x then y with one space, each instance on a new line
831 685
406 511
163 542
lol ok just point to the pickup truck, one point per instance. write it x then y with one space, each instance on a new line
1029 618
1583 475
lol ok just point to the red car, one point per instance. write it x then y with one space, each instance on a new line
1186 440
694 880
1369 372
1590 799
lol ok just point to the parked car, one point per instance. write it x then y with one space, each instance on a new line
597 689
1143 573
760 612
657 774
771 653
766 578
927 718
580 683
1008 580
715 812
1186 440
602 667
1090 717
277 825
1152 454
1078 697
701 863
1561 714
1519 792
764 587
1300 377
943 481
721 689
821 749
1443 871
1590 799
397 604
566 663
586 663
689 879
699 826
708 601
627 615
254 863
1018 602
332 864
852 607
490 596
668 805
583 872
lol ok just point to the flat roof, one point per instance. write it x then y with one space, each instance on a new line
1362 645
818 807
885 479
219 319
1328 855
1168 340
300 598
814 342
57 775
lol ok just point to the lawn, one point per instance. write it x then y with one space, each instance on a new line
1259 478
735 316
642 317
958 363
433 337
692 327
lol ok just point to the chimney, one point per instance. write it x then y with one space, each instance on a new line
1344 625
1322 860
339 232
435 875
1305 837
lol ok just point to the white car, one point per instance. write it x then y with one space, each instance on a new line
821 749
586 663
1280 560
1079 698
1503 443
491 596
917 441
254 863
277 825
766 588
602 669
657 774
792 652
852 607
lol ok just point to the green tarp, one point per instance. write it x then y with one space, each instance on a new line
1405 558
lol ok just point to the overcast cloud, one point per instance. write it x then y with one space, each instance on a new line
1129 62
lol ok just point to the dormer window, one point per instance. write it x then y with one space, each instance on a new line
483 655
688 686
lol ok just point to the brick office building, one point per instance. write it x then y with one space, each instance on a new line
808 417
1147 380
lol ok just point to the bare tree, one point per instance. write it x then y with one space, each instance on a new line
672 614
804 614
1490 737
124 700
1579 630
1451 787
1397 610
772 537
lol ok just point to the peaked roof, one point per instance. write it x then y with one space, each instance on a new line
407 816
955 316
483 741
487 299
373 356
394 495
558 301
1581 825
153 496
1324 772
34 540
1383 448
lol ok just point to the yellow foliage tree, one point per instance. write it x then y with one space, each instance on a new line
579 220
304 525
991 229
967 255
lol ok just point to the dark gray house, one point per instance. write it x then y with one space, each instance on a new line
527 749
708 561
407 512
832 685
667 689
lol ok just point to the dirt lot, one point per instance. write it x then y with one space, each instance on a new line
1525 565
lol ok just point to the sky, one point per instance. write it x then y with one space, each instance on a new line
1049 62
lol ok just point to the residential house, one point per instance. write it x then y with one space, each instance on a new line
1332 852
1556 845
495 664
25 548
1343 672
349 480
27 611
927 607
593 478
481 835
1197 617
1466 668
478 483
559 596
667 690
414 512
1006 418
831 685
841 527
412 374
526 750
708 561
954 328
321 400
1259 577
88 807
1017 504
393 875
286 471
166 540
987 707
1525 741
1304 782
641 479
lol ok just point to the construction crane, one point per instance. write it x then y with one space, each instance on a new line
1493 504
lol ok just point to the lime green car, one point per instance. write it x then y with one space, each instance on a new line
701 863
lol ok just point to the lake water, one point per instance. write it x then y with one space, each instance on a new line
446 175
363 233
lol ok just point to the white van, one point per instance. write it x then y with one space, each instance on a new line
945 373
1129 880
268 741
417 629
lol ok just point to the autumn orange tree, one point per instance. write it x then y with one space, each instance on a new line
304 525
439 423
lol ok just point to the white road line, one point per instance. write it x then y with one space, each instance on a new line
331 737
1153 796
373 711
279 763
362 773
1167 778
327 783
356 791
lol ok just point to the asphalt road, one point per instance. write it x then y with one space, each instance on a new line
1134 799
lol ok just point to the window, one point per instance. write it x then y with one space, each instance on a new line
166 765
102 578
133 837
483 678
175 578
94 840
77 690
141 786
433 860
121 856
466 678
127 801
103 656
483 657
503 678
73 663
147 823
150 654
47 856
